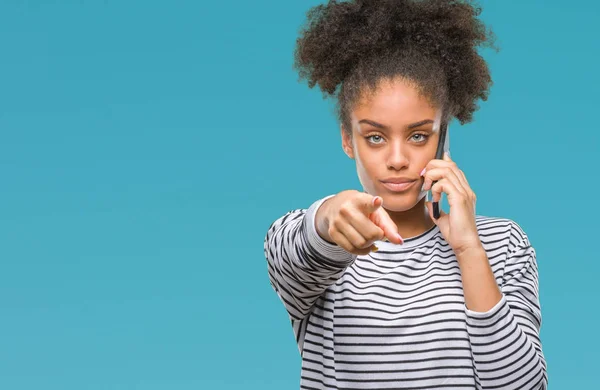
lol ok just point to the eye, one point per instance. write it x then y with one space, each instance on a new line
374 139
420 140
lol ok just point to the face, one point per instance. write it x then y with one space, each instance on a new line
392 139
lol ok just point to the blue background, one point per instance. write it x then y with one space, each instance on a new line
146 146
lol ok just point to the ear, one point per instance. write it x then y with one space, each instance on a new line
347 142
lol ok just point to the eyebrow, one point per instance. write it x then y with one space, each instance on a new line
380 126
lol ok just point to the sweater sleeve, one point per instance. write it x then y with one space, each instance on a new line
505 341
301 264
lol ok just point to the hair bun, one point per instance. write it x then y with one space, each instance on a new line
339 36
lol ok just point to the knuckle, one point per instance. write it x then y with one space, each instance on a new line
376 234
360 242
336 226
335 223
345 209
379 234
350 248
332 231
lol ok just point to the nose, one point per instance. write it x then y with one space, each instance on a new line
396 158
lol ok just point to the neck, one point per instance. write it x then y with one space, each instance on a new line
412 222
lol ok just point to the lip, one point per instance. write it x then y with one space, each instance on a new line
398 185
398 180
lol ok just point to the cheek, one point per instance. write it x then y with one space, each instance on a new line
365 169
366 160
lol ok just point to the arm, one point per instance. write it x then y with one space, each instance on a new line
504 335
301 263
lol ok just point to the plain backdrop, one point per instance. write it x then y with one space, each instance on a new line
146 147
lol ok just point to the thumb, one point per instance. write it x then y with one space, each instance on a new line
383 220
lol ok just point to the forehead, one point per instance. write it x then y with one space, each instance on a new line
398 101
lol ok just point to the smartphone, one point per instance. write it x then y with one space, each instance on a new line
442 147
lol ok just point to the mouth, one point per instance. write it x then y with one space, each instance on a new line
398 187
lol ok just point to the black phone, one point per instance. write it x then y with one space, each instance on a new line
439 154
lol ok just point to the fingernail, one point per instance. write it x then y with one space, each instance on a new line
423 172
400 238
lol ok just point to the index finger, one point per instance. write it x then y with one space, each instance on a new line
382 219
438 163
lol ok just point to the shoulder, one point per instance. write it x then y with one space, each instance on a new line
500 232
485 222
289 216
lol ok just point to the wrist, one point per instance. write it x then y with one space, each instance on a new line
322 221
475 251
481 291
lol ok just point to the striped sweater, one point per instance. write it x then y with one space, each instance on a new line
396 318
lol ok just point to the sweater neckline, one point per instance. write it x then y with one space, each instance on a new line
411 242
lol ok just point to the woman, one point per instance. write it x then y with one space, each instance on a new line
382 295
